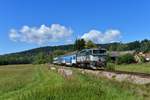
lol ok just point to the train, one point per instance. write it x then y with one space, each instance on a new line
94 58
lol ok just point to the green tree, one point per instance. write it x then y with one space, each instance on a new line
145 45
90 44
59 52
49 58
126 59
40 58
133 45
79 44
113 46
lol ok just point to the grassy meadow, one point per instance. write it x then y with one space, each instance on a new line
36 82
143 68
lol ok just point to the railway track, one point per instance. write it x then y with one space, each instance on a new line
132 77
115 71
118 72
126 72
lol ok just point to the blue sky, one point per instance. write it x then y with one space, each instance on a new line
100 20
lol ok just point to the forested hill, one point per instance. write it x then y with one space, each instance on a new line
46 50
25 57
29 55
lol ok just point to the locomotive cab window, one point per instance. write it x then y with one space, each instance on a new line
82 53
89 52
99 51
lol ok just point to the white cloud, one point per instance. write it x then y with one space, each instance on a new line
99 37
43 34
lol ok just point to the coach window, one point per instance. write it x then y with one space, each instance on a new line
74 57
82 53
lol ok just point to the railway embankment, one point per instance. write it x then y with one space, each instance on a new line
136 78
120 76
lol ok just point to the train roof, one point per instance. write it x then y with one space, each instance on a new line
75 52
94 49
69 54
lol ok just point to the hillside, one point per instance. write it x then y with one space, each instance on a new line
46 49
27 56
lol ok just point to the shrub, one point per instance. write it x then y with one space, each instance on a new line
125 59
142 59
108 58
40 58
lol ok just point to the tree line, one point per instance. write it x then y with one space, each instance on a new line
46 54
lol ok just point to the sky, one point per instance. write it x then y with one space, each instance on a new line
27 24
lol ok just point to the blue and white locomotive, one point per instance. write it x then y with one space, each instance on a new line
88 58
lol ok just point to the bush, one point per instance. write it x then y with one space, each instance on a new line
126 59
40 58
109 59
142 59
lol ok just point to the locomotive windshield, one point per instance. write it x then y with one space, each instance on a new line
99 51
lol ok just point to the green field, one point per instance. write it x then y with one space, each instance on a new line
36 82
142 68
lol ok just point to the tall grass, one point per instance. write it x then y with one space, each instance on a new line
143 68
36 82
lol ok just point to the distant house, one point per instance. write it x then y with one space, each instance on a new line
145 55
113 55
